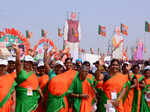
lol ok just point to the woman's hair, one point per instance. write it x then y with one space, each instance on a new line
134 66
86 62
84 68
124 66
146 63
68 59
113 60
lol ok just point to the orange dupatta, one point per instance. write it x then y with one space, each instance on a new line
147 81
86 104
115 84
6 83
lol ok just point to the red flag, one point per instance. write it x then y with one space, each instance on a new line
60 33
102 30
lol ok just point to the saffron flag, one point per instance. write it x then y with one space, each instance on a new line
60 33
102 30
147 26
124 29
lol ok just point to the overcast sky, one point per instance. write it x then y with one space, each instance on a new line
51 14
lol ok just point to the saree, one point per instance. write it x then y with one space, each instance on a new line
27 94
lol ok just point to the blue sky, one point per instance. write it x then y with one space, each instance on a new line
51 14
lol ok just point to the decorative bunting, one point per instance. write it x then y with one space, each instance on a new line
11 35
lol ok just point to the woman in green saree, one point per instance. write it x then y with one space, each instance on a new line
27 90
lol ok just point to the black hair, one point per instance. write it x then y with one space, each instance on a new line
146 63
124 65
58 66
68 59
83 67
11 61
106 76
113 60
134 66
86 62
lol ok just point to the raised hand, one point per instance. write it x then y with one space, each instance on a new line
54 50
14 46
122 40
46 47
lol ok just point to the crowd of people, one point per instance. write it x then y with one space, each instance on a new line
64 85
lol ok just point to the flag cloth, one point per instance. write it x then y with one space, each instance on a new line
147 26
60 33
43 33
27 33
102 30
124 29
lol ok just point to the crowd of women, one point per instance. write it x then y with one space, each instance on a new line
57 86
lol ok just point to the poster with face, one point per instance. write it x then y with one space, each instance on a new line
4 53
8 40
13 52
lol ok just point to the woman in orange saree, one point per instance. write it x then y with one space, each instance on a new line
12 66
147 82
43 82
58 89
113 85
134 100
7 85
82 92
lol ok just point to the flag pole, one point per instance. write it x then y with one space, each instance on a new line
144 45
110 40
144 39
